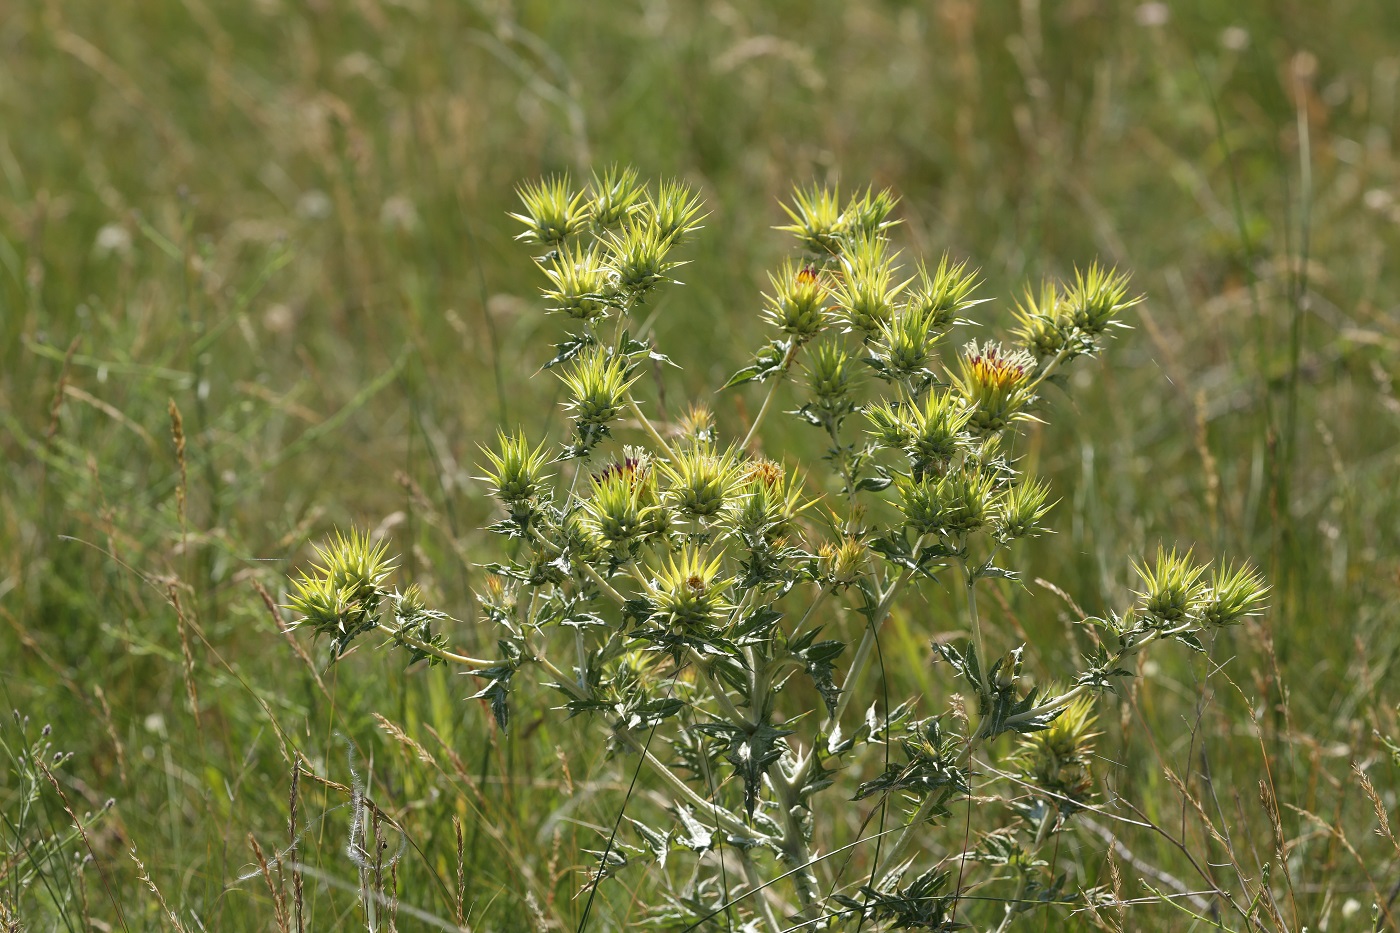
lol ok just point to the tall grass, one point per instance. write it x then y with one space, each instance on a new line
283 228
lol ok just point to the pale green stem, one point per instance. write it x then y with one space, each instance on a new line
726 705
794 845
441 654
772 391
975 621
650 428
759 894
1054 363
867 641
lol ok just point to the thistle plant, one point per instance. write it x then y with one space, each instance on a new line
715 611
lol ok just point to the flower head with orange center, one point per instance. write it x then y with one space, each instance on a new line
996 384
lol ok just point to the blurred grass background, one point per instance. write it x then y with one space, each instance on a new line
286 221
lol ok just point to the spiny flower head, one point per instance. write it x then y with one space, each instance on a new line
866 290
617 511
996 383
517 472
637 254
553 211
582 283
771 499
1021 508
937 430
697 425
1096 299
676 211
795 307
842 564
905 341
1056 759
829 374
598 384
1173 589
867 214
1235 593
956 503
816 221
614 196
342 594
700 483
1042 321
890 424
944 294
687 592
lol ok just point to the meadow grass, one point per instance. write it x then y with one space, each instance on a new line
257 282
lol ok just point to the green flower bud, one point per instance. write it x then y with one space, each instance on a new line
598 384
937 432
686 592
795 307
1173 589
943 295
637 254
614 196
890 425
1097 298
816 221
865 291
1235 593
866 215
676 211
702 483
1042 321
615 512
1056 759
829 374
842 564
553 211
517 471
342 594
771 499
905 342
1021 509
581 283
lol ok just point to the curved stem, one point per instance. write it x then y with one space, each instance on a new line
650 428
756 888
772 391
442 654
725 704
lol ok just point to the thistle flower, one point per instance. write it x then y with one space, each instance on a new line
816 221
937 431
614 196
676 211
829 374
1042 321
954 504
1021 508
842 564
553 211
687 592
771 499
891 425
616 512
944 294
637 254
996 384
866 215
1173 589
905 342
598 384
865 291
1056 759
581 283
697 425
795 307
1096 299
341 596
1235 593
517 473
701 483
